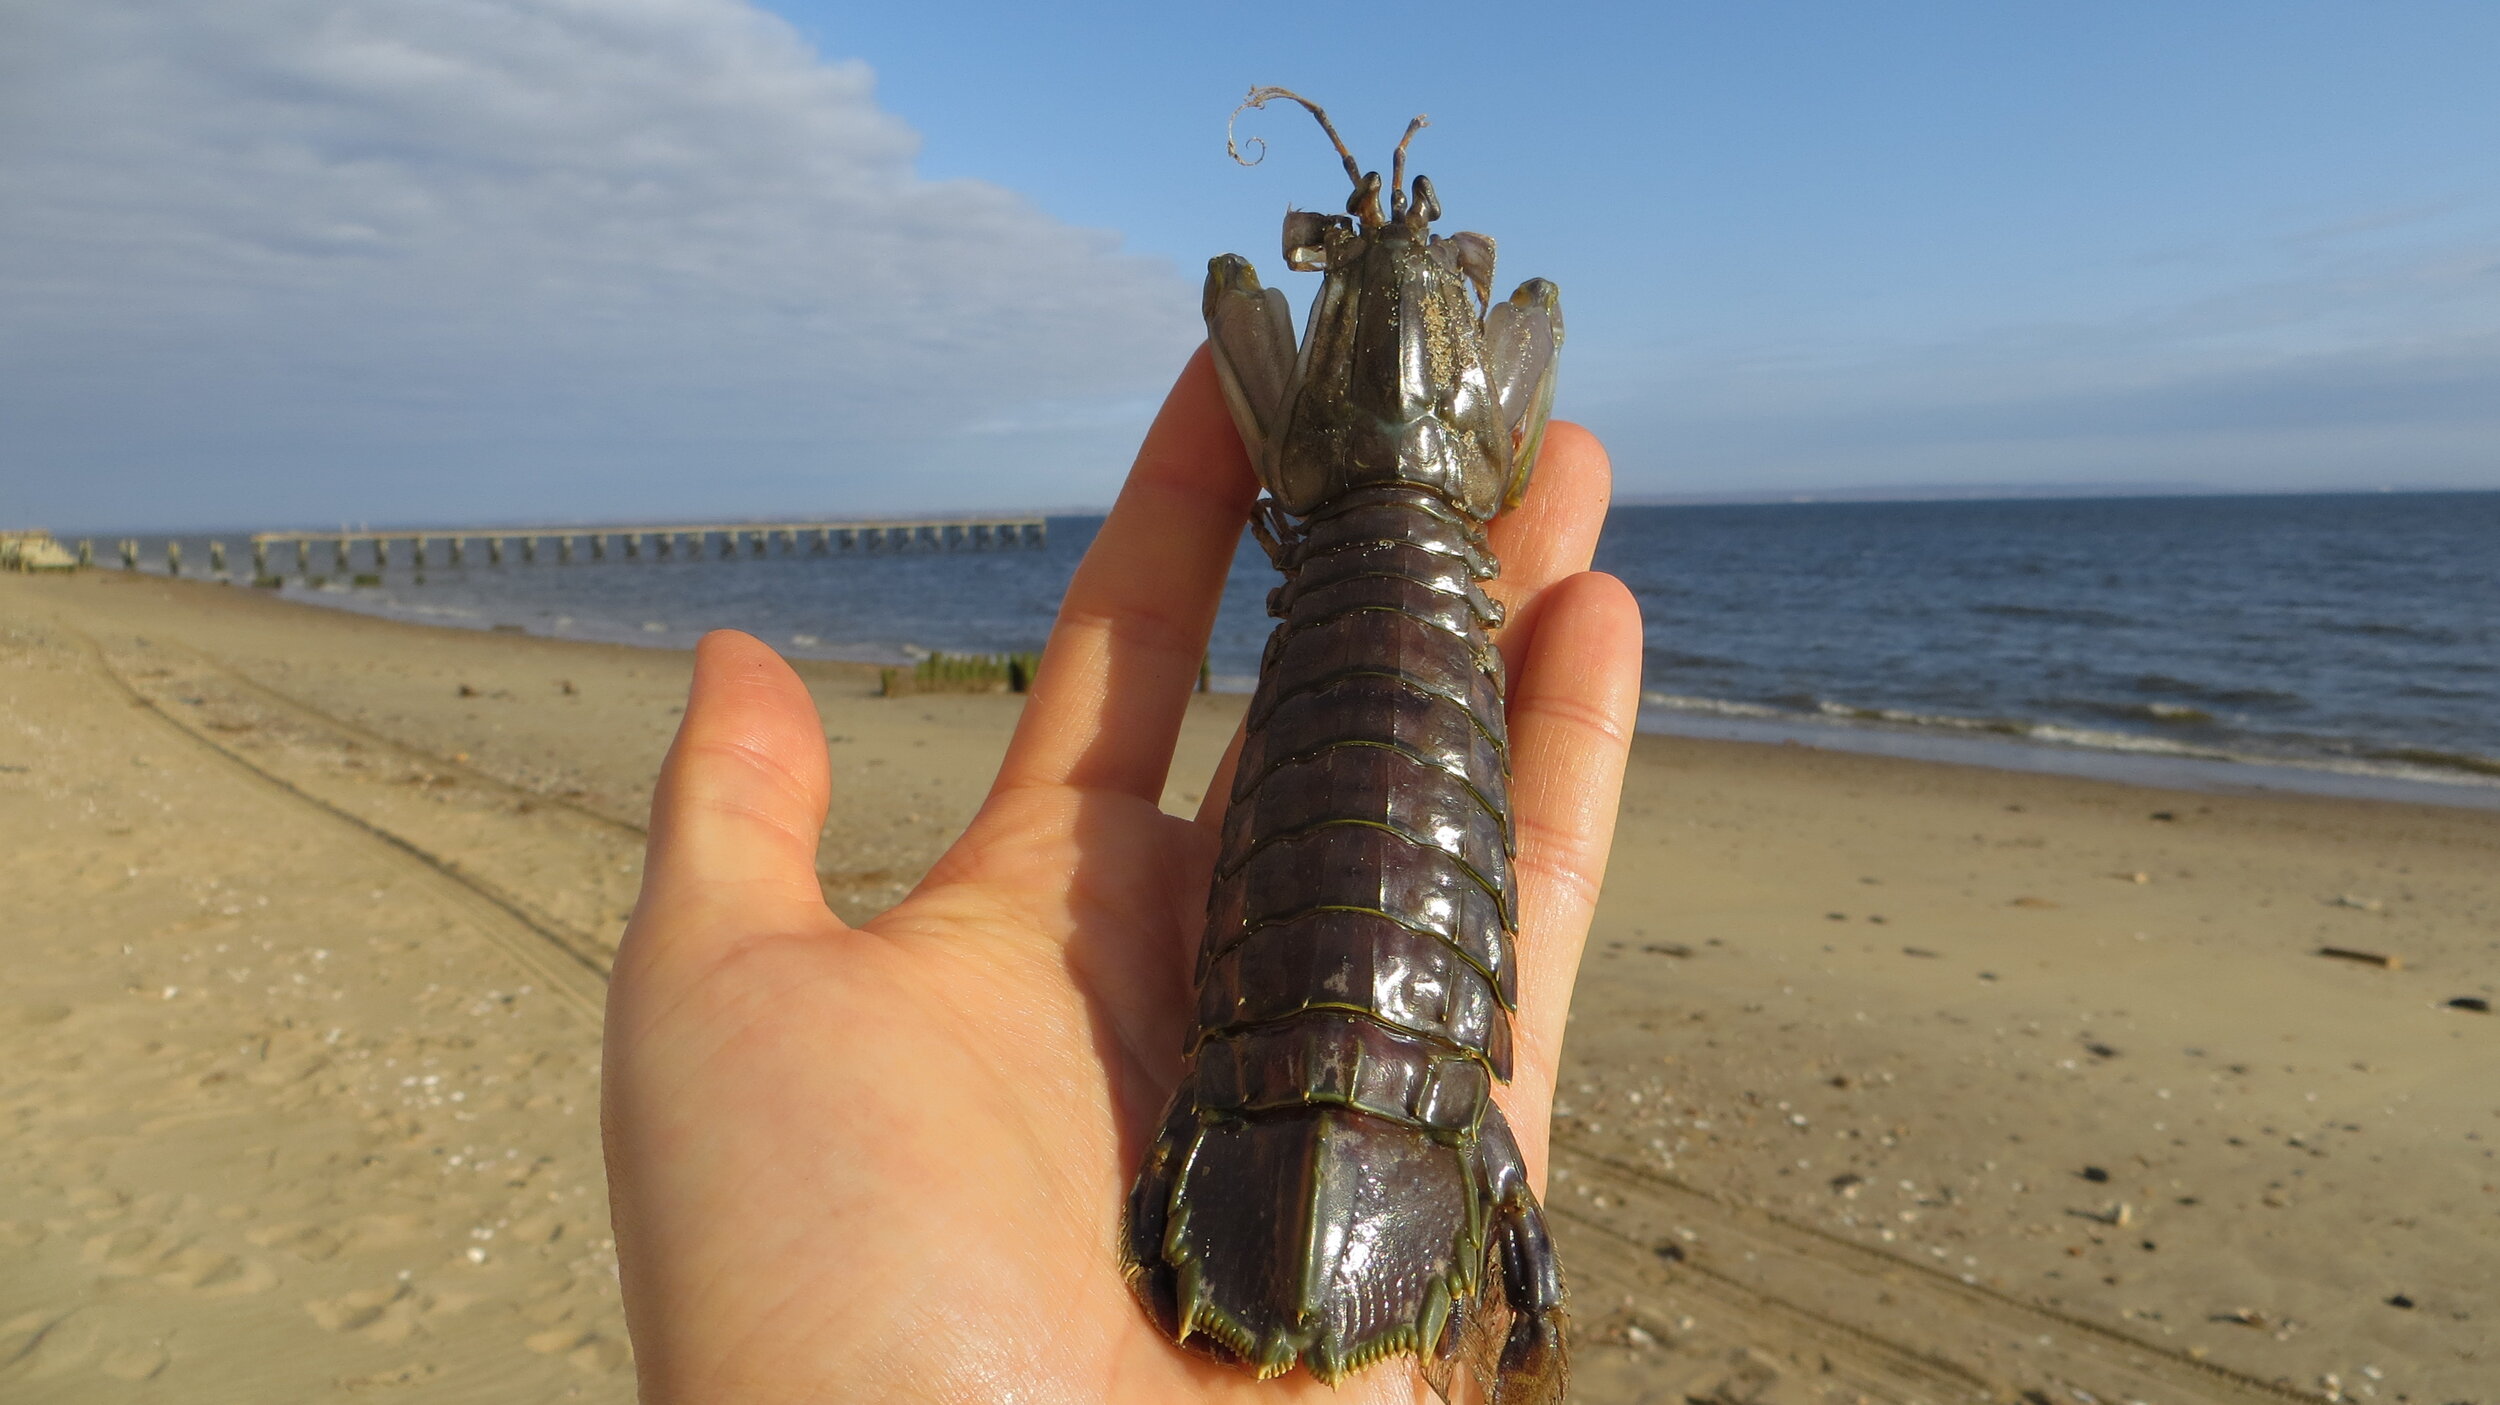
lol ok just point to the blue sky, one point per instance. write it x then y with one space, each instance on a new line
291 260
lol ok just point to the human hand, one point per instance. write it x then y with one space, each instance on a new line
887 1162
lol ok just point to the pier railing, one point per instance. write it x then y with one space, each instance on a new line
691 540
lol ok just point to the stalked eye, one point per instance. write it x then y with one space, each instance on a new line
1426 205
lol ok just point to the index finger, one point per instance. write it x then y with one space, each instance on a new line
1115 678
1552 535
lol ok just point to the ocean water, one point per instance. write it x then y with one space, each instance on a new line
2351 636
2358 634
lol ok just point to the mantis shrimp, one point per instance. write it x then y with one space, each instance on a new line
1333 1184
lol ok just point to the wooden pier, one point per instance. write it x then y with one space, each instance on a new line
691 540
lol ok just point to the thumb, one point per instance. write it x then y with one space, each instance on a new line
740 801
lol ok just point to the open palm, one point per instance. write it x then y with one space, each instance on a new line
887 1162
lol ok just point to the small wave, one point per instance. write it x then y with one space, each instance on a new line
420 610
2210 693
1716 707
2410 763
2060 734
1855 712
2439 760
2167 714
2055 614
2378 629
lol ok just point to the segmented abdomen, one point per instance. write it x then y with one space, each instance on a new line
1333 1182
1366 859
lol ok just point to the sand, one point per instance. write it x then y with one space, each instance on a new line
1888 1081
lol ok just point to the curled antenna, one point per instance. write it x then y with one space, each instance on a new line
1260 97
1397 163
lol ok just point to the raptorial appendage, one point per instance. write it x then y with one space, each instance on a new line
1333 1183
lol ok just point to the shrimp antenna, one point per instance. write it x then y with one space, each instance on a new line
1260 97
1397 163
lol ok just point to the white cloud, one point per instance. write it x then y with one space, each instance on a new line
462 258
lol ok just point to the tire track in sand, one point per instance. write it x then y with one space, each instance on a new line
572 965
1661 1240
